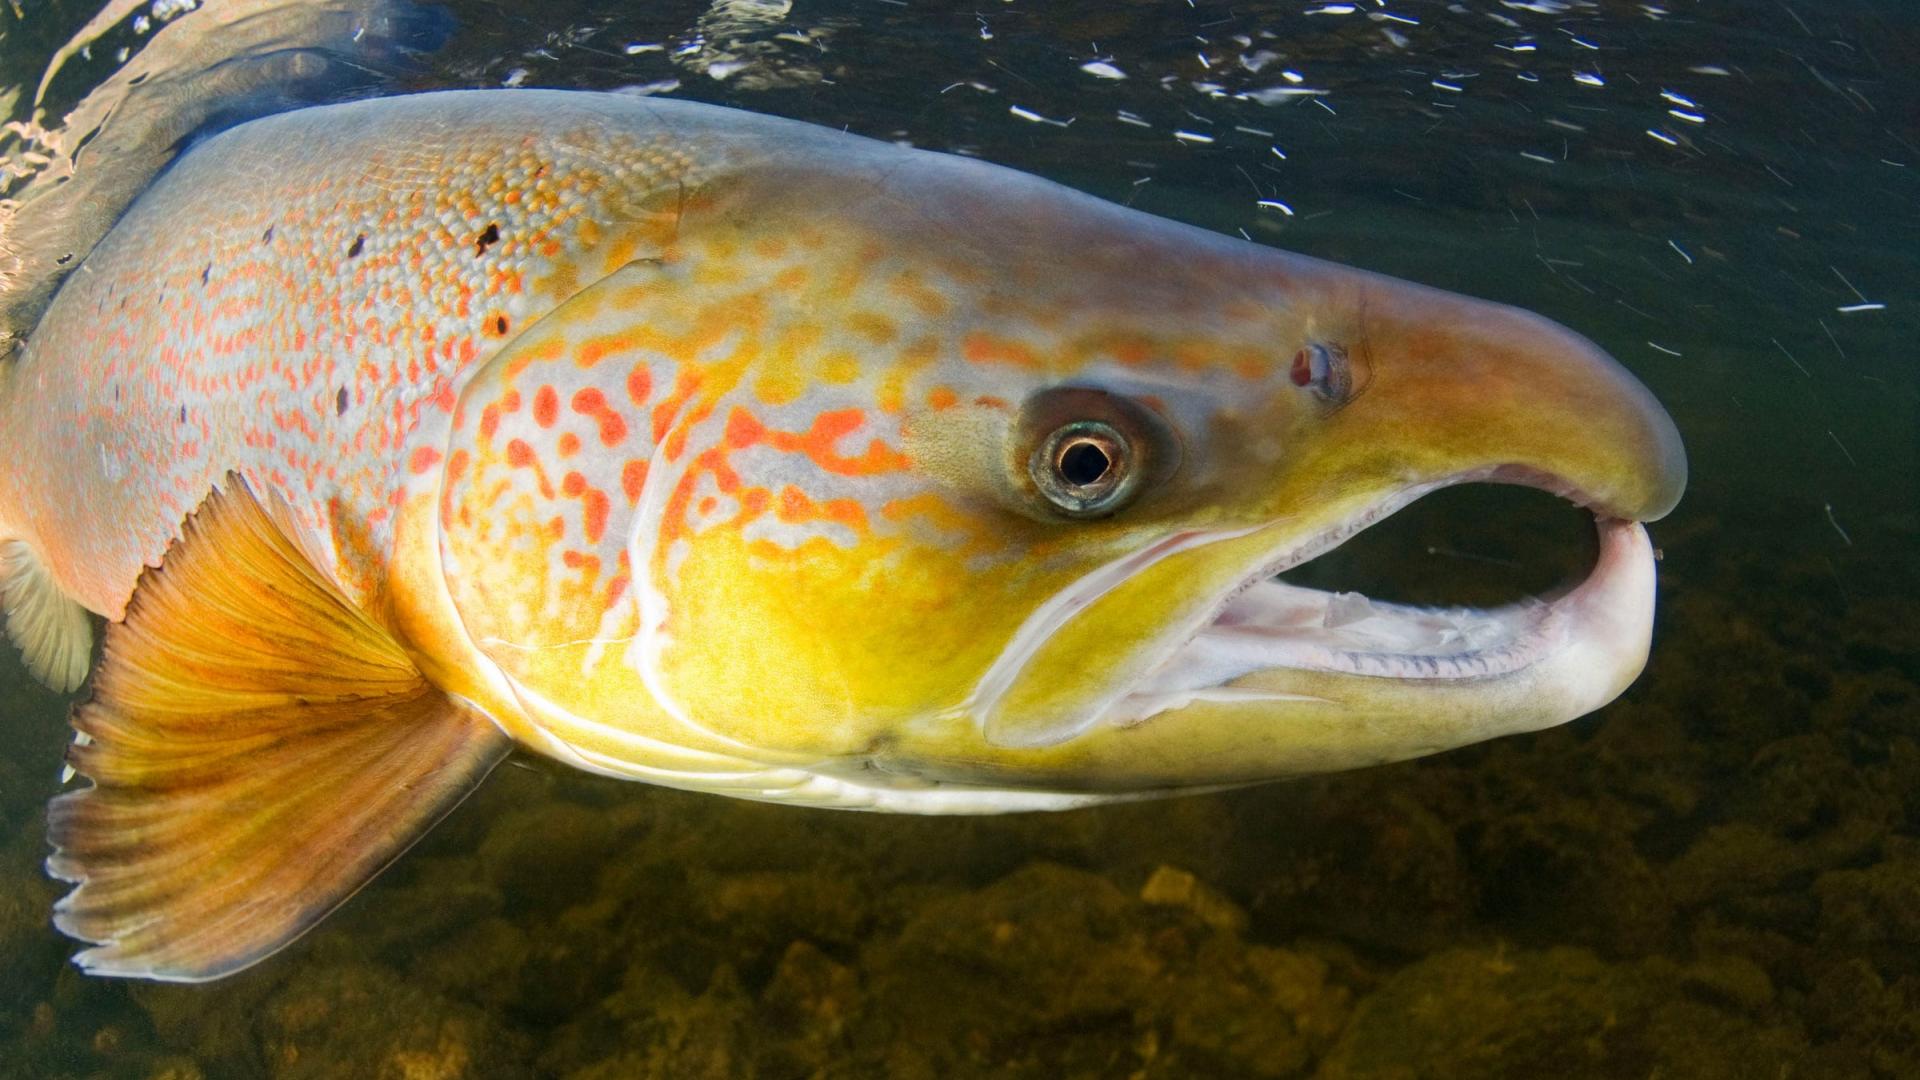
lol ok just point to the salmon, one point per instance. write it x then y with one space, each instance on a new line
731 453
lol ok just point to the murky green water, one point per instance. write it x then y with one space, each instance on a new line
1717 876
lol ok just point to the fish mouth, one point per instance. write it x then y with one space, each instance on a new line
1271 640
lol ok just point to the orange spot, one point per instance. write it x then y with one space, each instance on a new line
942 397
596 350
794 506
591 402
844 511
639 384
708 504
715 461
981 348
546 406
675 445
424 458
633 477
664 412
743 429
595 510
573 484
828 429
753 503
1132 351
519 454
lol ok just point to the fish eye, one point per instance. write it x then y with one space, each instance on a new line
1085 468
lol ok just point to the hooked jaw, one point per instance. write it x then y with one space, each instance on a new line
1258 679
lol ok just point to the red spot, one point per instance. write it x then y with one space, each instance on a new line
546 406
1302 372
639 384
424 458
707 505
633 477
573 483
519 454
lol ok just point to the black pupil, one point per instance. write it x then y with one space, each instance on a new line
1084 463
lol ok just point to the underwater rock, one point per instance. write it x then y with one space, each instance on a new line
349 1022
1867 1025
809 1002
653 1029
1173 887
1875 907
1380 864
1468 1014
1565 869
549 853
1053 971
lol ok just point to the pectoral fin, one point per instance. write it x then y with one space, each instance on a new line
51 630
259 750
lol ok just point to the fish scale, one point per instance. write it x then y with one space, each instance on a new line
304 265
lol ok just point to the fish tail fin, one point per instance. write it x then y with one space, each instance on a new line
51 629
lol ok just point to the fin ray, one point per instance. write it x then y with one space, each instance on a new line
52 630
258 749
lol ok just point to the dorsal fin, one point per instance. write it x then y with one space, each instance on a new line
259 750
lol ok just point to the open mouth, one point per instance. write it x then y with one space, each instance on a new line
1267 626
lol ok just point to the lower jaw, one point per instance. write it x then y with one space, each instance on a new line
1579 649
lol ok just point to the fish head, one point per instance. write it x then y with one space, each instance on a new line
909 475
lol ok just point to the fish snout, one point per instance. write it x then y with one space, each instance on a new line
1448 388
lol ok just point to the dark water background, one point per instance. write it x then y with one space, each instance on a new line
1717 876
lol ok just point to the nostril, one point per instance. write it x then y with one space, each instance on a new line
1322 369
